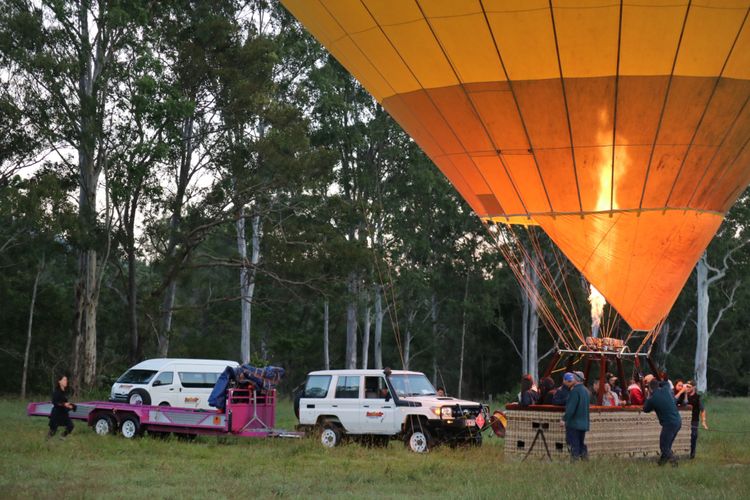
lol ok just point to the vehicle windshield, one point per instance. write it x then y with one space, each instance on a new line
136 377
412 385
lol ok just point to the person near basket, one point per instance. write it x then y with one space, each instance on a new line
528 395
635 394
59 416
576 417
662 402
689 395
610 397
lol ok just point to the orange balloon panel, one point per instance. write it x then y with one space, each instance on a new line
622 130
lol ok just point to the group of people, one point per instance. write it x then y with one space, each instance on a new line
659 395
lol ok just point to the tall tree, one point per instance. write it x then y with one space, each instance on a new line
66 56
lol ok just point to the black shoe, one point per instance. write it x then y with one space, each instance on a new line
674 462
662 460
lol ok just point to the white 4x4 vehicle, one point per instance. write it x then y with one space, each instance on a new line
375 406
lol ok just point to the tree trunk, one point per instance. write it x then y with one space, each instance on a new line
463 337
135 343
434 327
87 290
530 320
525 300
244 287
254 261
351 323
29 329
378 340
366 332
533 365
326 357
701 348
407 340
186 158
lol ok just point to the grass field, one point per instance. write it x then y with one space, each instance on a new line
87 465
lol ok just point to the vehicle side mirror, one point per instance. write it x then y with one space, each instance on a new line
387 397
156 383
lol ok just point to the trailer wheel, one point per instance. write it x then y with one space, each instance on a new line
104 424
130 427
139 397
330 436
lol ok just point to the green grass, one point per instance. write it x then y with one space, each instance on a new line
87 465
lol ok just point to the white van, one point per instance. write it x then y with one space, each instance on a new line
184 383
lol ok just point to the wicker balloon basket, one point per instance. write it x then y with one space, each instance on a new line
535 432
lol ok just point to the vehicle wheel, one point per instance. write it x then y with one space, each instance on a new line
104 424
418 439
139 397
130 427
164 403
330 436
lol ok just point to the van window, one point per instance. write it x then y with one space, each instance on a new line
164 378
198 379
347 387
136 377
317 386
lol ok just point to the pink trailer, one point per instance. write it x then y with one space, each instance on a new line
247 414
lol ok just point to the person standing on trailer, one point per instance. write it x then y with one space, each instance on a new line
576 417
59 416
663 403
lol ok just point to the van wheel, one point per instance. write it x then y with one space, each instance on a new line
104 424
330 436
418 439
164 403
130 427
139 397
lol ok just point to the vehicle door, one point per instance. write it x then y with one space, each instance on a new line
163 389
347 402
315 399
192 379
378 412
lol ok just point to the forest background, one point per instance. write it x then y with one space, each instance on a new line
202 179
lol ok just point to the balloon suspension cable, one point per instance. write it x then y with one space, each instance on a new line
528 263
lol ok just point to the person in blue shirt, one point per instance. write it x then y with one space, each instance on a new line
576 417
663 403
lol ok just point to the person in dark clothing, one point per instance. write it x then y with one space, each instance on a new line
560 397
546 390
689 395
528 395
59 416
576 417
663 403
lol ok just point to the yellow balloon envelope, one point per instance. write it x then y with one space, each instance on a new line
621 129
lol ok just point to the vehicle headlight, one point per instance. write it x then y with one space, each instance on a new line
442 411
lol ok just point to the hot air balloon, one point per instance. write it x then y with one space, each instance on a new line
620 129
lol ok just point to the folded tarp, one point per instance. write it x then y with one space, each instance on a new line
263 379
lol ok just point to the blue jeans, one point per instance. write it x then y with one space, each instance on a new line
666 438
575 439
693 438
